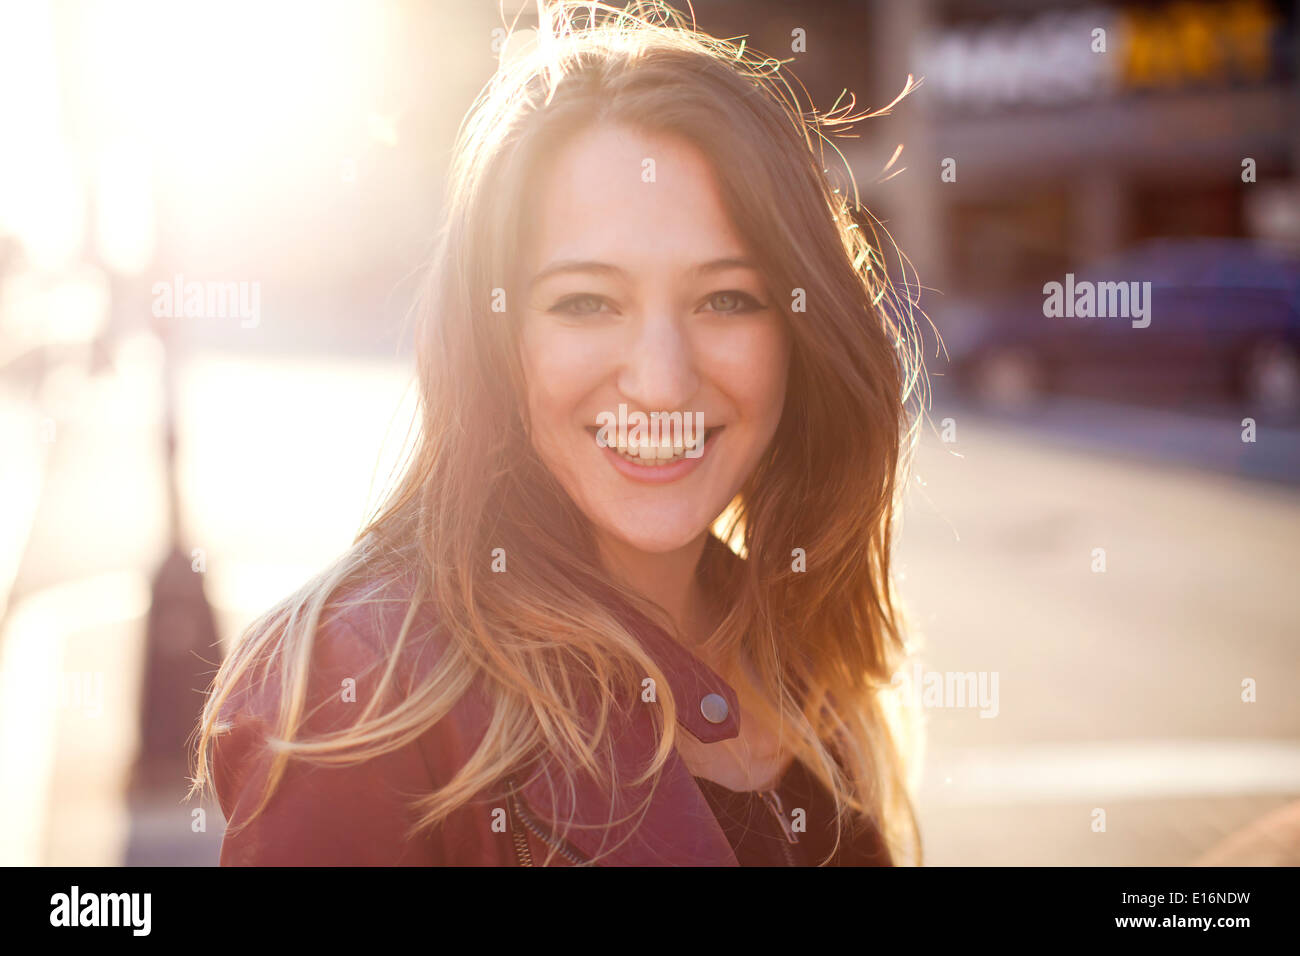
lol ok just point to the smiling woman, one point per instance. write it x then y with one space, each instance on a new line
550 647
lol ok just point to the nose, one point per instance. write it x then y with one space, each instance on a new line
658 372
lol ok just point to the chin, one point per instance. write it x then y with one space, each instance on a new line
655 537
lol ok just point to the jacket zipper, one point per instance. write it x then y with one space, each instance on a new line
773 801
522 851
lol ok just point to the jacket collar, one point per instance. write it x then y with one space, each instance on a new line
663 822
695 687
707 706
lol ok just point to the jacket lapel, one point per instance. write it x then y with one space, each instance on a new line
666 822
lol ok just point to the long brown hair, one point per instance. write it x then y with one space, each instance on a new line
823 642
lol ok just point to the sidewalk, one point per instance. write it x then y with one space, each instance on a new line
72 640
73 648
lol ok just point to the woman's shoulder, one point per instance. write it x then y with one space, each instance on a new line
368 623
358 631
353 810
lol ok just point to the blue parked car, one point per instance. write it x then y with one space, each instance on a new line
1222 319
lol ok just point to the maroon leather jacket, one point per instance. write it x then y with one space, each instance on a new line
360 814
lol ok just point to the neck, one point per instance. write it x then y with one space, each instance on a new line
667 578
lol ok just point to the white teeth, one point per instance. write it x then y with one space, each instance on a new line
648 455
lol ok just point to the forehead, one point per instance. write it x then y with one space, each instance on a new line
631 197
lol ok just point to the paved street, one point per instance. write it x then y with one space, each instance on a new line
1116 690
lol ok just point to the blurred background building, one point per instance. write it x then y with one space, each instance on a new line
212 223
1066 153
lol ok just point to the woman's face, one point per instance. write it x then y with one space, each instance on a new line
639 292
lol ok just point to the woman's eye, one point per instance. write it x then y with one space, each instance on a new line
733 300
580 305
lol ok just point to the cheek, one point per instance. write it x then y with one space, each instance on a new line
752 366
556 369
545 364
775 365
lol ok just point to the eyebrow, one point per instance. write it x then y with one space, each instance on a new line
592 266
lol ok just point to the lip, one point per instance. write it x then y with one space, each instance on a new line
659 474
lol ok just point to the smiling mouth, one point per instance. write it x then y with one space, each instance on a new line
657 456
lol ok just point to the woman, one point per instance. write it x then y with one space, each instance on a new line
566 641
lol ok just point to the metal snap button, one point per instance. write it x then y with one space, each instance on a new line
714 708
